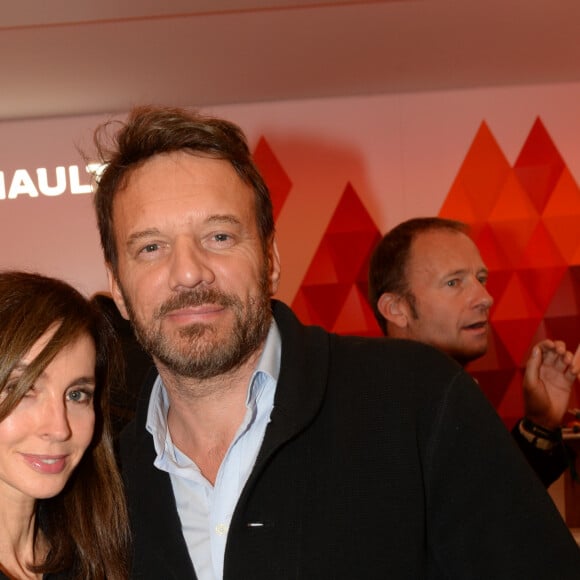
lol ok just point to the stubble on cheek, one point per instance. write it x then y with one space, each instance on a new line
206 350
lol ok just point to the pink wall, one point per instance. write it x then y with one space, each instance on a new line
401 154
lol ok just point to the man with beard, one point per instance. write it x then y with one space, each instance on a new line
265 449
427 282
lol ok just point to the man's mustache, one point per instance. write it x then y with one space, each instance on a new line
196 297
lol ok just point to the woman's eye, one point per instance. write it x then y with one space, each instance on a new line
7 390
80 396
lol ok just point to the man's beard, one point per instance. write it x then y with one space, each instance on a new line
201 354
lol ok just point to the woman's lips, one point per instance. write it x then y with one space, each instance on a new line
48 464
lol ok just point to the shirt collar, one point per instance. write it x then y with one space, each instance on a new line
266 373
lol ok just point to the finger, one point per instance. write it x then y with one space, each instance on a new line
576 360
553 356
560 346
546 344
531 373
567 358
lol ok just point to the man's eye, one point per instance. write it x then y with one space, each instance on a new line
452 283
150 248
221 237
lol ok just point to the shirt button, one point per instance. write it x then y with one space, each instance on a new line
221 529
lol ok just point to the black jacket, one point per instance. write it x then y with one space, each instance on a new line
382 459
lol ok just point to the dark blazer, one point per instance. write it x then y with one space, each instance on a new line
548 465
382 459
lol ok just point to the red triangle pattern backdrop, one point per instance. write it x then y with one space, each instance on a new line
525 220
333 293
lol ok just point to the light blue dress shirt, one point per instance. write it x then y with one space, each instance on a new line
205 511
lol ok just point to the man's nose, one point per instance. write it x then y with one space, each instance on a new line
482 298
189 265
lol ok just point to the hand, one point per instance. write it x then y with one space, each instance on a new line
550 373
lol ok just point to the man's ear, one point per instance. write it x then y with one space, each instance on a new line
394 309
274 262
116 293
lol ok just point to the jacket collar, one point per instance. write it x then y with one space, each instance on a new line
301 383
302 380
299 394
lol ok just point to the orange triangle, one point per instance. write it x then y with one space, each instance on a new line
539 165
566 300
351 253
575 259
274 175
513 237
564 328
515 303
492 252
458 205
497 283
356 316
301 308
350 215
541 251
322 267
565 233
517 335
541 284
541 333
513 203
565 197
483 171
323 302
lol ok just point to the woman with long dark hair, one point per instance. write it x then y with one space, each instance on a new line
62 509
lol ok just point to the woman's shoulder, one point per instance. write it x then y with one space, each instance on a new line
60 576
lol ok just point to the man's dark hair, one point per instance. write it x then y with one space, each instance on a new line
388 264
151 131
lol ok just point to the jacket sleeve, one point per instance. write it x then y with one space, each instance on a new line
475 474
548 465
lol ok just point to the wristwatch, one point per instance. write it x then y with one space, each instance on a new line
539 437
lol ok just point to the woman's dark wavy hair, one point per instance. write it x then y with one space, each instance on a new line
151 131
86 525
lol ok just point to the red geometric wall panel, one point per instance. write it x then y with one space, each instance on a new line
333 293
274 175
525 220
